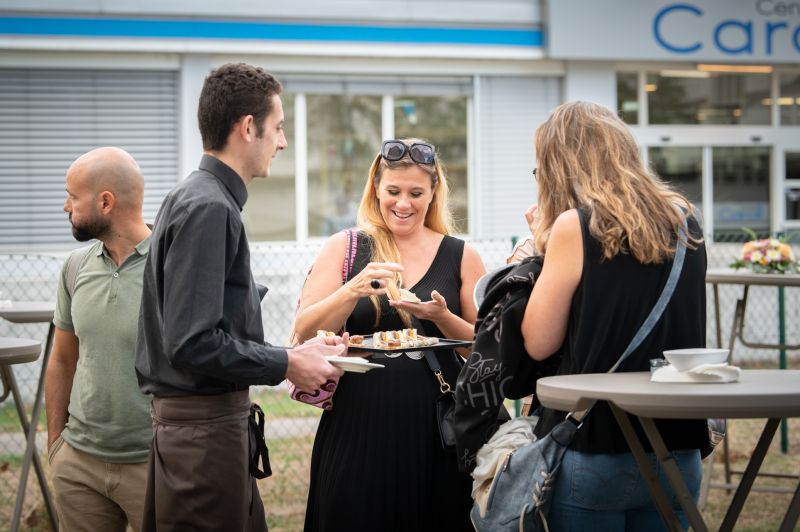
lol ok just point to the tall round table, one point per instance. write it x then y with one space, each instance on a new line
767 394
31 312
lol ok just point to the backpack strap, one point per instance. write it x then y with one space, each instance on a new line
74 263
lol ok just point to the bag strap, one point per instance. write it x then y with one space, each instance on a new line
661 304
655 313
73 266
350 255
433 363
349 261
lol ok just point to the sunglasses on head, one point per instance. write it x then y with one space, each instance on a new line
420 152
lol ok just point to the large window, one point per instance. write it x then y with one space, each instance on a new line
792 166
698 97
741 190
628 96
269 213
344 134
789 100
682 168
442 121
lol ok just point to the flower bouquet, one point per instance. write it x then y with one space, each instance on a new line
766 255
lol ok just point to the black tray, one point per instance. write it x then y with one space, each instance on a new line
443 343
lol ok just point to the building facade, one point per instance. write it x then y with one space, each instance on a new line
706 87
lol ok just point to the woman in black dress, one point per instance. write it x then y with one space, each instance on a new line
378 463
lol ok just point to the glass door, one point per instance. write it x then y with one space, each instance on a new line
729 185
791 168
741 190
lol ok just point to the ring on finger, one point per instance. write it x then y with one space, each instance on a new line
375 284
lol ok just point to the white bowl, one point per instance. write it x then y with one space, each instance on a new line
686 359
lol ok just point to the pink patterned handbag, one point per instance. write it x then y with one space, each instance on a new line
323 398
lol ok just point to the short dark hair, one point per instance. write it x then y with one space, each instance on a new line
230 92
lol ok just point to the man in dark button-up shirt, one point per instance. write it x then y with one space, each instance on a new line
201 339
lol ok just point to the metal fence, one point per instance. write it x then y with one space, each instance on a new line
291 425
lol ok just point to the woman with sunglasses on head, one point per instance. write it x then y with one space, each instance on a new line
609 228
378 463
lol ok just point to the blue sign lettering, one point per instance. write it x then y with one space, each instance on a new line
657 28
747 28
771 27
731 36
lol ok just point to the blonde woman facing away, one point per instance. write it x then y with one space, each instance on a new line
607 227
378 463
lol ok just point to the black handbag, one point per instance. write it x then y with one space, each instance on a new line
446 406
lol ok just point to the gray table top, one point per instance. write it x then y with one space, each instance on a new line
731 276
29 311
19 350
764 393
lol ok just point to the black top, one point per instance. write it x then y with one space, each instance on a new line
200 329
444 276
610 304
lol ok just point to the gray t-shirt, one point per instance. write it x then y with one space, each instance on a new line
109 416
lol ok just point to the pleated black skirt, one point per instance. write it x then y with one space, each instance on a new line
378 464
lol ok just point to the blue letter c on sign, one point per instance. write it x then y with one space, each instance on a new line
657 28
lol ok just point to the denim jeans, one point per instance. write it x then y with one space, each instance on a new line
606 492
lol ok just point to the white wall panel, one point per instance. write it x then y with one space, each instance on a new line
510 110
591 81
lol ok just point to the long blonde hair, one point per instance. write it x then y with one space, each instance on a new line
587 157
370 220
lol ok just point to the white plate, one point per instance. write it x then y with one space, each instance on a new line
356 364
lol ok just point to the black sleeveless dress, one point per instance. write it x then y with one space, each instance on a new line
378 464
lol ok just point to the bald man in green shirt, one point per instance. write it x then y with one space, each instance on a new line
98 421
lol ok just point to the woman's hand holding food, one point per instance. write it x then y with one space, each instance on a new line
372 280
433 310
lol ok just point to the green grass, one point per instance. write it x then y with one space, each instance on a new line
9 421
10 461
278 404
285 492
763 511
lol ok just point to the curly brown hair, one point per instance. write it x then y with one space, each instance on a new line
230 92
